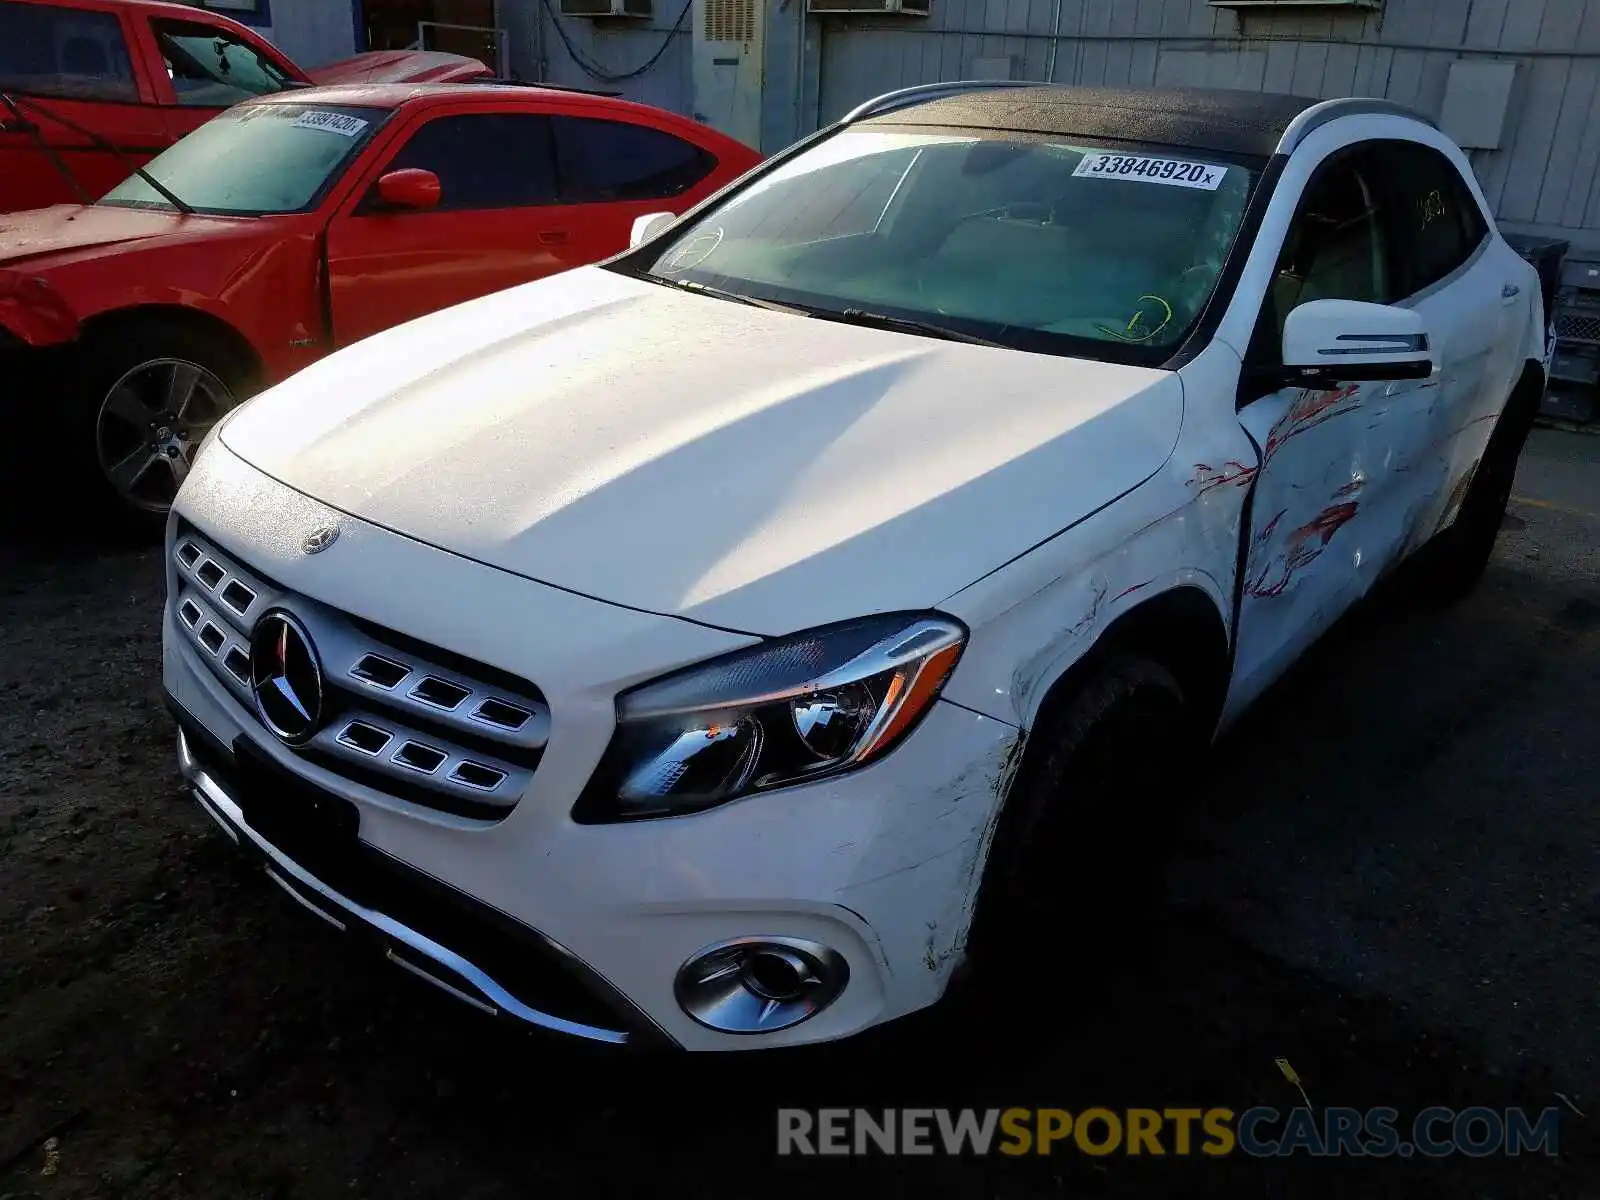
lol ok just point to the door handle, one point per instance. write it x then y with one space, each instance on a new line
554 237
1510 292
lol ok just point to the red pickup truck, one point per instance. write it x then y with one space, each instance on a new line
90 89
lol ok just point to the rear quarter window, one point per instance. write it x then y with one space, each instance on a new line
64 52
605 160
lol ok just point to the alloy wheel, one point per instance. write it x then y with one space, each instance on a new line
150 424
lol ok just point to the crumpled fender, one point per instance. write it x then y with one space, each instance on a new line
34 312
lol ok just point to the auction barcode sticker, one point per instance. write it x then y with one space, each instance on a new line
1171 171
340 123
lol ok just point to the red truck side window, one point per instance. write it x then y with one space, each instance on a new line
65 52
211 68
605 161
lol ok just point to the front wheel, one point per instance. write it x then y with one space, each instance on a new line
144 398
1080 850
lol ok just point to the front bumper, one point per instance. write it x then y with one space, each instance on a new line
362 895
881 866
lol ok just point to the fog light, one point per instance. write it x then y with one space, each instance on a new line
760 984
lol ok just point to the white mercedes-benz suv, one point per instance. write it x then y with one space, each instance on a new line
723 645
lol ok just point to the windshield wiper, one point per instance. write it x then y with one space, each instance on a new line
860 316
706 289
16 104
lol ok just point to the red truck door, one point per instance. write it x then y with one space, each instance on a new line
75 62
498 221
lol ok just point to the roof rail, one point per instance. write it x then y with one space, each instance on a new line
905 97
1319 115
504 81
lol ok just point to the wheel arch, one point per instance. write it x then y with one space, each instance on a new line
1530 387
197 320
1180 628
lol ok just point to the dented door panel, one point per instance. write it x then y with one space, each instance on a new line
1345 474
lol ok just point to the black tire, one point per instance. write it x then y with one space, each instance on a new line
1080 851
1447 569
129 365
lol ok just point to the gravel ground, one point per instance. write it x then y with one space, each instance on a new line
1389 884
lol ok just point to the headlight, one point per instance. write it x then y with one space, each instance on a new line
790 711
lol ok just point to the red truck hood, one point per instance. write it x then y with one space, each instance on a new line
401 66
64 228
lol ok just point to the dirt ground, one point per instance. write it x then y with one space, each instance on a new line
1410 814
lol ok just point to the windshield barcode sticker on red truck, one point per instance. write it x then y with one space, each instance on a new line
1171 171
340 123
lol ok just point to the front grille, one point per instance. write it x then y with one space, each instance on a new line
414 721
517 958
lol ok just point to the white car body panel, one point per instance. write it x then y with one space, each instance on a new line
1349 481
889 864
591 481
1043 612
825 451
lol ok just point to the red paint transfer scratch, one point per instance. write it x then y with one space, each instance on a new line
1309 410
1301 548
1232 473
1138 587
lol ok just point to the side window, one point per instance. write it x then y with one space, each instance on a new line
1438 221
65 52
617 161
212 68
485 160
1338 247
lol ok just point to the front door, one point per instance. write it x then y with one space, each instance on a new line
498 223
1333 499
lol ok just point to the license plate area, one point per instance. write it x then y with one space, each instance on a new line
313 827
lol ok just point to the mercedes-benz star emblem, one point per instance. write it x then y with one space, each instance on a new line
320 539
286 677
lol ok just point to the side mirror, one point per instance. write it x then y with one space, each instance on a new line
411 188
647 226
1348 341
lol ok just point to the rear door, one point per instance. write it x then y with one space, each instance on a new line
499 221
1455 281
76 63
615 170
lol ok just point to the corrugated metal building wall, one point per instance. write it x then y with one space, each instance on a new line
1541 179
558 51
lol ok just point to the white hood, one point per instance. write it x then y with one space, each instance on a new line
695 457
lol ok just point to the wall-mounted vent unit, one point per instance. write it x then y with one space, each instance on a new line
863 8
600 9
730 20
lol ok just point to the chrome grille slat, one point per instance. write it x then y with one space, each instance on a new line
387 699
439 693
380 672
419 757
365 738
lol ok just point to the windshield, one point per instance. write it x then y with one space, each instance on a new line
256 159
1033 242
